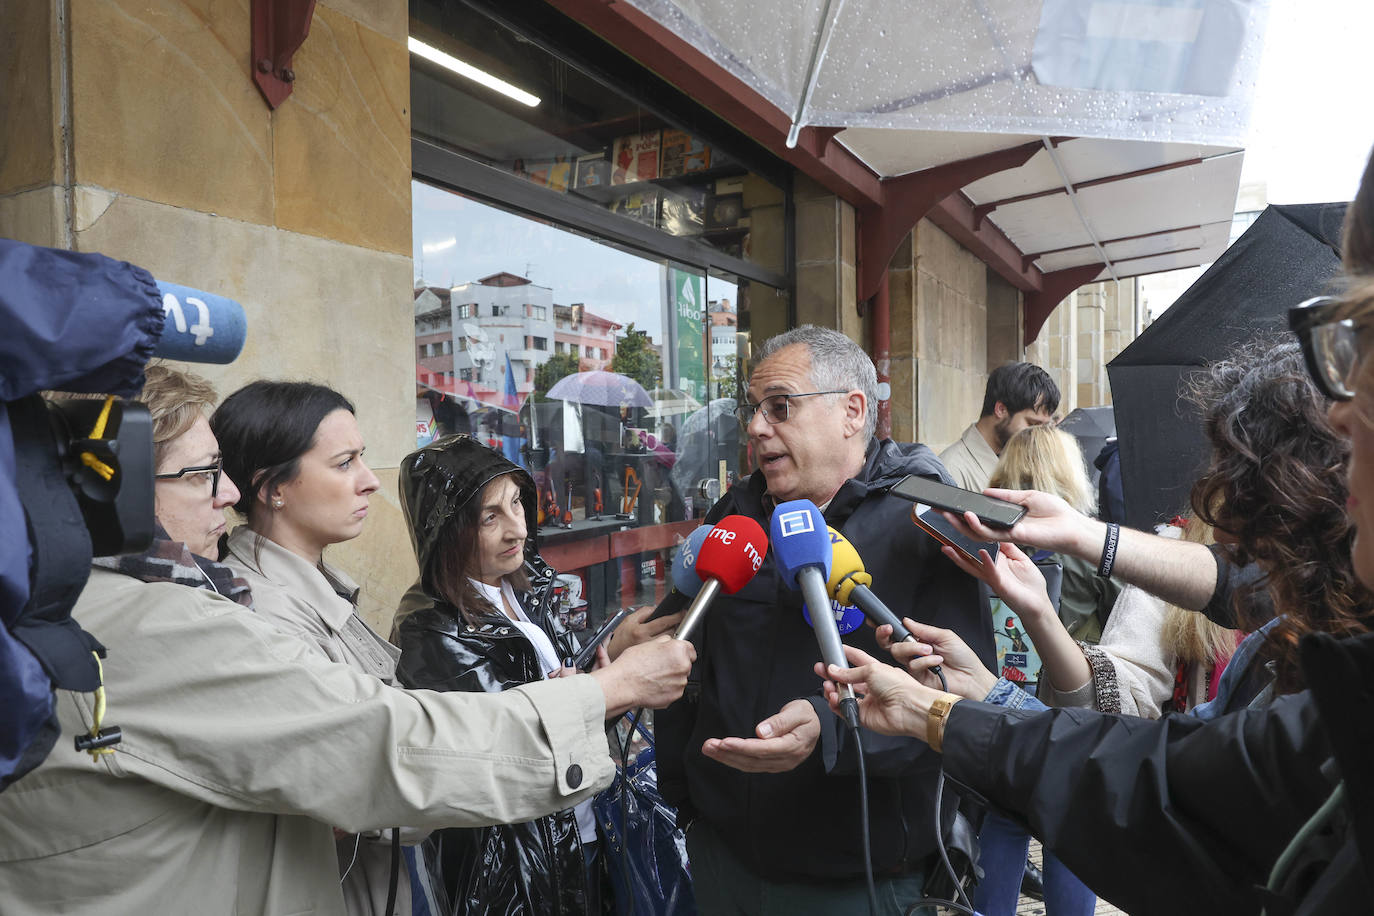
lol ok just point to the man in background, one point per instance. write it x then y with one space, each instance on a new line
1018 395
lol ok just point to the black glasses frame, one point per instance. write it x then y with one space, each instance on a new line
746 411
1305 318
215 471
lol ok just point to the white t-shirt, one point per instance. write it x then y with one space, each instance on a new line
548 661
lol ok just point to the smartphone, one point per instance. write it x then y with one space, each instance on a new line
995 513
588 652
938 527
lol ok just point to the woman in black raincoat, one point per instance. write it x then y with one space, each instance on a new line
487 624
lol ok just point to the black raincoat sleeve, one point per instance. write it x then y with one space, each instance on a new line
1165 816
1234 579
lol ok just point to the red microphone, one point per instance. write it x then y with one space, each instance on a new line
729 557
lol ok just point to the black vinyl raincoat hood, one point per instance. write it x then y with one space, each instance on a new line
439 479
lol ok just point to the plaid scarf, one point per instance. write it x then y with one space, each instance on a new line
167 560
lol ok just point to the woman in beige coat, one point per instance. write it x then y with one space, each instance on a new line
241 748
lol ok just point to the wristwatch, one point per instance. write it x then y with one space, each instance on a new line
935 719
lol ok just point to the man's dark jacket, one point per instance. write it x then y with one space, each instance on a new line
755 654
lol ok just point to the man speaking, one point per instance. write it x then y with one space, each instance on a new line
764 775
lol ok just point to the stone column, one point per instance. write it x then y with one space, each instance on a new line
826 278
133 129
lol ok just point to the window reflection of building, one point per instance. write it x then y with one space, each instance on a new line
506 313
433 326
584 334
704 212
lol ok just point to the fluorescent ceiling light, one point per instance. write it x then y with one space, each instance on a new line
464 69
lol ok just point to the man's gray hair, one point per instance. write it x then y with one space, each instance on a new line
837 363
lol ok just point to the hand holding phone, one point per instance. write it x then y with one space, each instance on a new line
995 513
588 652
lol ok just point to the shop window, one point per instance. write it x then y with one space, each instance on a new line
623 476
587 139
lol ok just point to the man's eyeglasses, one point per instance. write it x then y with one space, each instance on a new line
1330 344
208 472
776 408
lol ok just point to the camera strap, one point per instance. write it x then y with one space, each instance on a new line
61 560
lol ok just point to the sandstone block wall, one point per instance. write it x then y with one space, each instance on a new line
133 129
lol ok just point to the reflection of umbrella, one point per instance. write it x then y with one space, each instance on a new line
1092 427
609 389
712 433
500 421
669 402
1287 255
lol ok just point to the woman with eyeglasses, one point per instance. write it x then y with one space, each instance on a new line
1261 810
298 450
190 493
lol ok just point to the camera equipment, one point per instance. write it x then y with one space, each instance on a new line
80 469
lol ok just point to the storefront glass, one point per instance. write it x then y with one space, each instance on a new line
551 124
611 377
587 275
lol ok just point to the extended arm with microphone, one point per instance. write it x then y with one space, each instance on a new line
801 545
731 553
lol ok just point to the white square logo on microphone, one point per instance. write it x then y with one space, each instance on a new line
798 522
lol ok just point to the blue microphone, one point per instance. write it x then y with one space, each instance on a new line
686 582
801 546
199 327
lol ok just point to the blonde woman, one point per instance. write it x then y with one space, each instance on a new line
1048 459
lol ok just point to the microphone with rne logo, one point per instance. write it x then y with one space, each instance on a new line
801 547
731 553
686 582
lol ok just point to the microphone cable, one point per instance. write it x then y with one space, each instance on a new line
849 707
963 904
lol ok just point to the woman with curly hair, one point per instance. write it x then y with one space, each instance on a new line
1275 493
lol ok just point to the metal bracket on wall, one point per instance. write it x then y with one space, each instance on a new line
279 30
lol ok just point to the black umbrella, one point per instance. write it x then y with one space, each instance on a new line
1289 254
1092 427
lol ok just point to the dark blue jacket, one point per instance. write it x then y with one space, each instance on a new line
71 322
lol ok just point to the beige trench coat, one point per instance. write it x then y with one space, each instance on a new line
319 606
242 748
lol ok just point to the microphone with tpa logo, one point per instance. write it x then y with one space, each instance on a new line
686 582
731 554
801 547
849 584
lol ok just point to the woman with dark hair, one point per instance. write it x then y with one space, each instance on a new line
487 624
297 448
